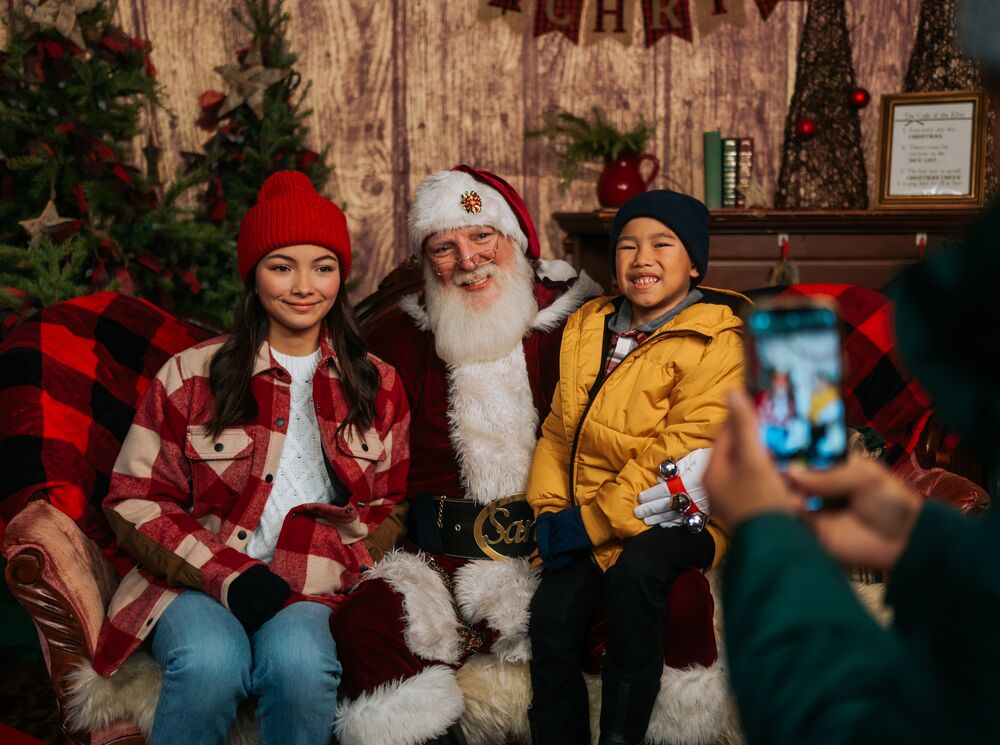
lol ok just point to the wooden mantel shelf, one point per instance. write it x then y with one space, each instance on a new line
864 247
801 222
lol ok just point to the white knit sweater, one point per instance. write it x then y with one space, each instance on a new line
301 475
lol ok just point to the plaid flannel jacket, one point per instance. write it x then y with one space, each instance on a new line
185 504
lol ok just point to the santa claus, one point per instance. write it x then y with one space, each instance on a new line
434 641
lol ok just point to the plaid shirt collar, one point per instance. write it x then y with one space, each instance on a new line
621 346
624 338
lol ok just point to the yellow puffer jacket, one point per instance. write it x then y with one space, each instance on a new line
664 400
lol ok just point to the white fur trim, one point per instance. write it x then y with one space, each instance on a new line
437 206
593 683
404 712
131 694
555 270
431 624
552 316
93 702
691 708
872 598
410 304
499 592
497 695
493 423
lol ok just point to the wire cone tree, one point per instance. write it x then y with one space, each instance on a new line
938 64
826 170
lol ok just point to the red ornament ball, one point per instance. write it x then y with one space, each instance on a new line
806 128
860 98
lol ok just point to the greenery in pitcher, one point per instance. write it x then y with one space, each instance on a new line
580 139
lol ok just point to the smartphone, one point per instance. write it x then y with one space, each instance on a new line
794 372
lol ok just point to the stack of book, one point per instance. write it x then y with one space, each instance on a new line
728 167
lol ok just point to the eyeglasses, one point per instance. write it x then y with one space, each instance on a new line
446 256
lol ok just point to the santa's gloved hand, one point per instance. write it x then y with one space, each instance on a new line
654 507
654 503
559 535
255 596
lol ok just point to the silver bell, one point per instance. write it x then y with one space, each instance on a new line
695 522
668 469
680 502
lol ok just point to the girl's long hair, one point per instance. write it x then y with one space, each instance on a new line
231 370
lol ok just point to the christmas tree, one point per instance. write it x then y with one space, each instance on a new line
85 218
822 165
258 128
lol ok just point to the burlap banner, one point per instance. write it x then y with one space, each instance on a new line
563 16
662 17
591 21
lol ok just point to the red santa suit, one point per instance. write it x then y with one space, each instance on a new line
437 631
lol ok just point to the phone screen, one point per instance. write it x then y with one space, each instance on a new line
794 374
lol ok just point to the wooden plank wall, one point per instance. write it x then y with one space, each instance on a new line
405 87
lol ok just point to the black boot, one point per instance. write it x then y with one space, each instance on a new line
566 723
454 736
627 703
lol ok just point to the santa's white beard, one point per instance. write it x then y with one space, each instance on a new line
464 330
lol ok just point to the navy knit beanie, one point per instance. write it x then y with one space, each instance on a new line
684 215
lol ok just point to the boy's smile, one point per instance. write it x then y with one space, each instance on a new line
654 268
644 282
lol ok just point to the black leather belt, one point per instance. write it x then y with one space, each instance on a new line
462 528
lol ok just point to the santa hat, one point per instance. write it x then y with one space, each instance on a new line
464 197
290 212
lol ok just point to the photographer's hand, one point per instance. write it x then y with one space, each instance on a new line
875 526
742 480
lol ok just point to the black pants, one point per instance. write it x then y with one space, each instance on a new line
634 592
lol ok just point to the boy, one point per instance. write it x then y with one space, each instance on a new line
643 378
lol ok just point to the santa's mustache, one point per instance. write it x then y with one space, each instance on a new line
463 277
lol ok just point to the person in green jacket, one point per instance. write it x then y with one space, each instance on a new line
807 662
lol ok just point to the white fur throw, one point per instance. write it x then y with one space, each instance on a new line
94 702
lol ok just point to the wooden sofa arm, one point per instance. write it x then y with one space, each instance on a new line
64 582
943 485
934 451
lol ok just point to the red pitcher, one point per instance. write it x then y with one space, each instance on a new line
621 178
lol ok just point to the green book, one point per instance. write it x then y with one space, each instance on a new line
713 170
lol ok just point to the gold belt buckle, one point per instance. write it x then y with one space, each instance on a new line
494 526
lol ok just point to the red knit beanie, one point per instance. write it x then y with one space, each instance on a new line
289 212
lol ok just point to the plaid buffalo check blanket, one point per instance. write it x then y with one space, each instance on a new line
878 392
70 379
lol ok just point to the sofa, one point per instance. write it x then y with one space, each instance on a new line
69 381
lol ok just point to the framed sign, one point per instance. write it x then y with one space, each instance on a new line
932 150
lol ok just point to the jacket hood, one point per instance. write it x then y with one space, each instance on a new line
717 311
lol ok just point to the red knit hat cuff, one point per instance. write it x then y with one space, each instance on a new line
289 212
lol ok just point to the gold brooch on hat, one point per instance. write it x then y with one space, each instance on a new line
471 203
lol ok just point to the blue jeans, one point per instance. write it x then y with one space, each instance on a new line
209 668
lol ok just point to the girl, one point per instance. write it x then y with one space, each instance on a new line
252 486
